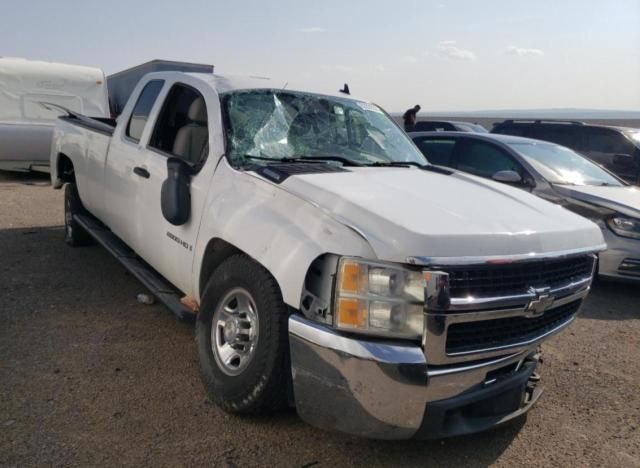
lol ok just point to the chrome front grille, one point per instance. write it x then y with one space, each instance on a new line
516 278
466 337
498 309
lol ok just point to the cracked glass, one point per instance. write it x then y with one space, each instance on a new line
277 124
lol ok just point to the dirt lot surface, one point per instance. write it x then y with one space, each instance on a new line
90 377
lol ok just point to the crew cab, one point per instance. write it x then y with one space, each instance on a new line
327 264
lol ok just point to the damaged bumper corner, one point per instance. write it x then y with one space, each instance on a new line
384 390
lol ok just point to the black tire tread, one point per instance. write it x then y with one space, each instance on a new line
273 395
79 236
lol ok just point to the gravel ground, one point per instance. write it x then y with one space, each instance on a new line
90 377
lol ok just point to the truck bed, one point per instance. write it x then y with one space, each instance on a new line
97 124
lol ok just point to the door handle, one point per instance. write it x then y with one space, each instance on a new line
141 171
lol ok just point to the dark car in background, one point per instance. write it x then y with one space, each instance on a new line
448 126
616 148
557 174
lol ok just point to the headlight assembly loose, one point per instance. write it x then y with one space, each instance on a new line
625 227
379 299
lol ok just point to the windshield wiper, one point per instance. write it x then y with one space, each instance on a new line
344 161
259 158
563 183
396 164
295 159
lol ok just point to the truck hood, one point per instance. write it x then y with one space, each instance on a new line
405 212
624 200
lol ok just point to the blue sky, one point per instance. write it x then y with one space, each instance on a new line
445 55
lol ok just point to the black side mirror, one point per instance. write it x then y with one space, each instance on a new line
175 196
623 160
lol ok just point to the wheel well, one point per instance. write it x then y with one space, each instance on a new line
216 252
65 169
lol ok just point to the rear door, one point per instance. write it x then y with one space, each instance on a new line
182 129
125 169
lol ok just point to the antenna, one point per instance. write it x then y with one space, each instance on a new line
345 89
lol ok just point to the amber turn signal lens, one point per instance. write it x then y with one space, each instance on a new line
351 313
350 277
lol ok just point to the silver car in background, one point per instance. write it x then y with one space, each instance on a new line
557 174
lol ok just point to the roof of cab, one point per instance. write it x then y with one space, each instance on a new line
227 83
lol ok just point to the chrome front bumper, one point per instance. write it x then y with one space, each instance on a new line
385 390
472 371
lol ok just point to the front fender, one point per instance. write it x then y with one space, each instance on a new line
280 230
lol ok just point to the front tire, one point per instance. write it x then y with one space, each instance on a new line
74 234
242 340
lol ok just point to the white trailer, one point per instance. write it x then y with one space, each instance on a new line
26 127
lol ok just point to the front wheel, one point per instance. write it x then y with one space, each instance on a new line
242 340
74 234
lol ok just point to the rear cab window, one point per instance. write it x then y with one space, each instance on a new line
181 130
142 109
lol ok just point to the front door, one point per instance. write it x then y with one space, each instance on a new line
180 131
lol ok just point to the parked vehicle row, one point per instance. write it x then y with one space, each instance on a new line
615 148
328 264
557 174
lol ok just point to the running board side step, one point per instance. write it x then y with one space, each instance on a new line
164 291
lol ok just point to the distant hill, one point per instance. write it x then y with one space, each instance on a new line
564 113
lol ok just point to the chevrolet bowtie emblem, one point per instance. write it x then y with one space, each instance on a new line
541 302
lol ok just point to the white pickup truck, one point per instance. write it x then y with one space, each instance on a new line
326 263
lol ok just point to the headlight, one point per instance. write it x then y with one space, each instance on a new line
626 227
379 299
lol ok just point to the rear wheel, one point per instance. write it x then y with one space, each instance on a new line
74 234
241 337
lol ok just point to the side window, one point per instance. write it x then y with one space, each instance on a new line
437 150
602 140
181 129
484 159
143 106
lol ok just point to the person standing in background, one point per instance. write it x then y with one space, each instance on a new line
410 118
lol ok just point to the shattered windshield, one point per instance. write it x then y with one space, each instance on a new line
276 124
